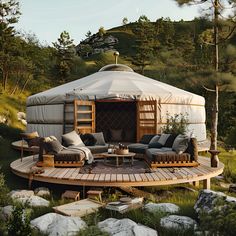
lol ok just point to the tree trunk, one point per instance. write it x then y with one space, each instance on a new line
215 111
214 117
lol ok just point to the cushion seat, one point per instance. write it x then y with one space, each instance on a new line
98 148
69 155
138 148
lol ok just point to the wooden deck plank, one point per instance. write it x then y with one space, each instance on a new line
119 178
169 171
91 177
96 177
78 176
108 177
138 177
125 178
155 177
113 177
101 177
131 177
69 173
47 171
57 172
159 175
149 177
143 176
84 177
63 172
162 172
74 174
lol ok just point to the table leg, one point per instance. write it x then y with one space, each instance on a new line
132 161
117 161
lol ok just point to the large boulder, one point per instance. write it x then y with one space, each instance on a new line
6 212
208 200
54 224
34 201
42 192
28 197
14 194
125 227
175 222
161 207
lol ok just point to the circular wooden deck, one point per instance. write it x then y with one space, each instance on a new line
160 176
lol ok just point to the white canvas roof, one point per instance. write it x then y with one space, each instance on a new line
116 84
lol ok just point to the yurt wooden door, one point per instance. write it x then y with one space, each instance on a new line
84 116
146 118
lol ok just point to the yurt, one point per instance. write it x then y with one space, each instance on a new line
116 101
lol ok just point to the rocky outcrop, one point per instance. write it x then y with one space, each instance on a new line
168 208
208 200
175 222
28 197
53 224
42 192
124 227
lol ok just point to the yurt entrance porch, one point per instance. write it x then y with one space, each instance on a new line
119 120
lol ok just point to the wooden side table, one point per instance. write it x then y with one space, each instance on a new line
95 195
71 195
48 160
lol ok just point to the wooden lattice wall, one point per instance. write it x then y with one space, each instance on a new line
116 115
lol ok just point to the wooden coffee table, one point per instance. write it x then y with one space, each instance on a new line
130 155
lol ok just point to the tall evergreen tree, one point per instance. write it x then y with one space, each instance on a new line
9 15
65 53
218 79
144 43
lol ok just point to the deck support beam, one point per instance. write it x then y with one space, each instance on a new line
207 183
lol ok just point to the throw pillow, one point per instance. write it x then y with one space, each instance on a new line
88 139
100 138
116 134
155 145
180 144
155 139
53 146
170 140
72 139
146 138
163 138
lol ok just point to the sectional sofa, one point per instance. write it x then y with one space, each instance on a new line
167 150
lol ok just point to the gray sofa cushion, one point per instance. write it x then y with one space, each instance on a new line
180 144
98 148
163 138
165 155
146 138
100 138
138 148
72 139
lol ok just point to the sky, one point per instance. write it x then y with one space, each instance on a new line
48 18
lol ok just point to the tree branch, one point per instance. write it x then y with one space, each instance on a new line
209 90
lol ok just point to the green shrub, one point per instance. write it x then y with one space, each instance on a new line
221 220
4 199
92 231
19 222
176 124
